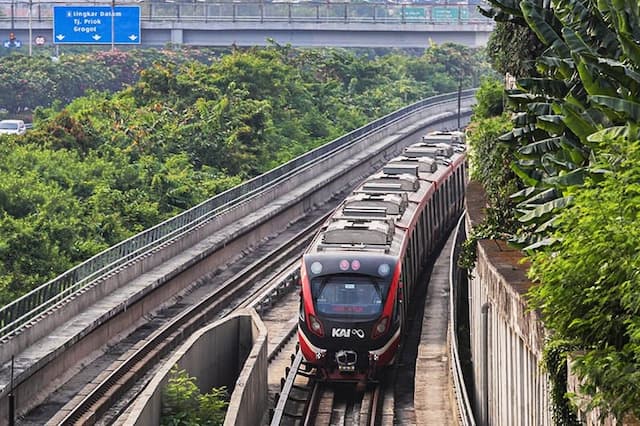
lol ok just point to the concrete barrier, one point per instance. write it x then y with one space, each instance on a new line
232 353
507 338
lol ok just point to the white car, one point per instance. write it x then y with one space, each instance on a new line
12 127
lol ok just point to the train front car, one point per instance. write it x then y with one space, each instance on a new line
349 322
359 274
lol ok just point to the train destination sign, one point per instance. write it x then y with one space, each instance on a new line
95 24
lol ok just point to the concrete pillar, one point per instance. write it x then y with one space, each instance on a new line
177 36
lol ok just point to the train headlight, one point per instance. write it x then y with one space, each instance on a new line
316 326
316 267
380 328
383 270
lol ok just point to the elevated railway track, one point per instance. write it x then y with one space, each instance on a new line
167 262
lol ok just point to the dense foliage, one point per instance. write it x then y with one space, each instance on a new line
113 163
184 405
30 82
575 124
513 48
596 267
489 165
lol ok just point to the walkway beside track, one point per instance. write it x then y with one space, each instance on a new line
433 395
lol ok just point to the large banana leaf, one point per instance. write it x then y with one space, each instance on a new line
542 197
612 133
534 14
530 177
554 164
573 178
584 18
593 81
522 119
541 147
511 7
540 108
561 68
619 71
544 86
628 108
524 194
575 42
543 242
553 124
579 123
546 208
630 48
577 151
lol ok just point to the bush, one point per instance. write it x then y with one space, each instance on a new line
183 404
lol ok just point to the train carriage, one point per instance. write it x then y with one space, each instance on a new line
360 272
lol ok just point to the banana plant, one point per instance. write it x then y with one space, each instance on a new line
587 92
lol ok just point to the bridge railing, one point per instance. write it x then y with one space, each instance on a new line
42 299
234 11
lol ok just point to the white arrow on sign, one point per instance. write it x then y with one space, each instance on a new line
132 37
60 37
96 37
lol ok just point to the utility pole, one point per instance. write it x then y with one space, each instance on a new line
459 100
12 400
30 27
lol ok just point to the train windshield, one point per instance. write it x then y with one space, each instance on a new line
349 296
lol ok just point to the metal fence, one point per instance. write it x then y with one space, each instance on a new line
40 300
458 278
265 11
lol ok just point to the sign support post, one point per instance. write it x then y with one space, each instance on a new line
113 26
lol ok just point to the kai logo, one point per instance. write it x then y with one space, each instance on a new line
347 332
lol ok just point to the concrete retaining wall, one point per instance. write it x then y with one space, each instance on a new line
231 353
506 338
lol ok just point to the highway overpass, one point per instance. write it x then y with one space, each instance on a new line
244 23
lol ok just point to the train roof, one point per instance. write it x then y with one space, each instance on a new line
374 218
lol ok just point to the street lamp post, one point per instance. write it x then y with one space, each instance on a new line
30 27
13 10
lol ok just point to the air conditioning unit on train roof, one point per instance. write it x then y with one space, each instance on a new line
394 204
406 182
359 231
380 188
424 164
400 169
432 150
379 212
454 137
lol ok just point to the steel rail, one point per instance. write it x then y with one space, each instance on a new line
279 412
32 306
103 395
